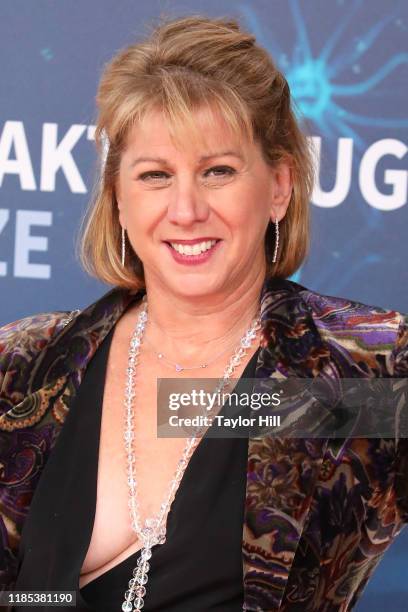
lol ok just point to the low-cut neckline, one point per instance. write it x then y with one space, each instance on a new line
103 355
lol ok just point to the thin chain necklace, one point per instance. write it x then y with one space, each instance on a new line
177 366
154 529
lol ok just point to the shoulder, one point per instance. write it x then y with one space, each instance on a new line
374 336
22 340
334 313
34 330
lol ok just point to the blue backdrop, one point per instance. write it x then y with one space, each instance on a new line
346 62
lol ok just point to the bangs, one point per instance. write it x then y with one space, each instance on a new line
188 106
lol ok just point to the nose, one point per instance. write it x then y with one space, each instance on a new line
187 204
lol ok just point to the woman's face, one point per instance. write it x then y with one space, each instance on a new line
197 215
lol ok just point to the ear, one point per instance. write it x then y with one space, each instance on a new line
282 188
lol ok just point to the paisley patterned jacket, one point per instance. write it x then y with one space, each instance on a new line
320 512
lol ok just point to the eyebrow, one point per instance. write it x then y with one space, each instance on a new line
162 160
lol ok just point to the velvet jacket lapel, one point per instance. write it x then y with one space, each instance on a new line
274 515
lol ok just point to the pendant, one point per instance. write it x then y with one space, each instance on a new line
179 368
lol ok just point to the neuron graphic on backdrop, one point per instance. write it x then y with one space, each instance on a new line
319 85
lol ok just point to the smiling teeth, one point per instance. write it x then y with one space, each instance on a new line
193 249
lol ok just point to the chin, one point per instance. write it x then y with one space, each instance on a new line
194 287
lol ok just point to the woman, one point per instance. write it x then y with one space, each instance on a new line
200 216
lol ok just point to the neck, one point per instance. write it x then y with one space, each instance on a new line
194 330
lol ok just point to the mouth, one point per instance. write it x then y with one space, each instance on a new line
192 247
193 251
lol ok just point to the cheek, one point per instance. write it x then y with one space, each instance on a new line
143 221
250 213
143 208
251 200
249 221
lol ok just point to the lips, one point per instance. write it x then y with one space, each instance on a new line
193 259
191 241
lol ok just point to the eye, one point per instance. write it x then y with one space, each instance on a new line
153 176
220 171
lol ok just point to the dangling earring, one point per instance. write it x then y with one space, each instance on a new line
123 246
276 240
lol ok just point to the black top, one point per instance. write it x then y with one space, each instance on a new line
197 569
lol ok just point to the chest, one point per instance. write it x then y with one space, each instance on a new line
113 539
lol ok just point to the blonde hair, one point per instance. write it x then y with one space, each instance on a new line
185 64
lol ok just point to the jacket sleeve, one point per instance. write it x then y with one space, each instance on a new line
400 352
400 360
20 342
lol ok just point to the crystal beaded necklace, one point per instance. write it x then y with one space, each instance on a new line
154 529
